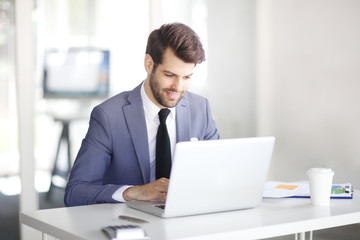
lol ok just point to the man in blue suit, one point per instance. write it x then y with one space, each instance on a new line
116 161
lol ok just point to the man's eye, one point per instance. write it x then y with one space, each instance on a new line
169 75
187 77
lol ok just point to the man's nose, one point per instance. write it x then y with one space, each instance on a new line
177 83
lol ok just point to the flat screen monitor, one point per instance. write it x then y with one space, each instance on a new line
76 73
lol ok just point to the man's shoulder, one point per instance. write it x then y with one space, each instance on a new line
120 99
191 98
194 95
116 100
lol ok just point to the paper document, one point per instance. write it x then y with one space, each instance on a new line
274 189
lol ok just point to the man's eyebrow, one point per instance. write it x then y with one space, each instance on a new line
169 72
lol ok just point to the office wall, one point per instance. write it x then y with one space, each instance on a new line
231 53
309 82
289 68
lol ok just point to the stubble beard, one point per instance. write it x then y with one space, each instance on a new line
159 95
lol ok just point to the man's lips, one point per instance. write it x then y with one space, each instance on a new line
172 95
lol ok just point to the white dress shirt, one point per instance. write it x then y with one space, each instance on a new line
152 124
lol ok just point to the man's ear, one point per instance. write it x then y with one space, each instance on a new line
148 63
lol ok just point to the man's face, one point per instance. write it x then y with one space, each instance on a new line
169 81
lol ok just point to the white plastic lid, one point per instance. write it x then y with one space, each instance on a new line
320 170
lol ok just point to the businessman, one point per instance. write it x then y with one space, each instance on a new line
121 156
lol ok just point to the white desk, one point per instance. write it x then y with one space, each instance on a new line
274 217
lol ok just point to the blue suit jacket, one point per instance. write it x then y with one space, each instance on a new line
115 150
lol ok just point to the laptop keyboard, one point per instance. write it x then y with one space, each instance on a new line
162 206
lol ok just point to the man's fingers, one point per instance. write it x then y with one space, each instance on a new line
148 192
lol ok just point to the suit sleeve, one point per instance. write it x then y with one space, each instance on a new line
85 185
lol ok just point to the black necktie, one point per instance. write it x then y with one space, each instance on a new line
163 149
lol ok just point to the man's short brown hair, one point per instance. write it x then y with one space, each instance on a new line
180 38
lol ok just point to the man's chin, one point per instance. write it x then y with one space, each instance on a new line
169 105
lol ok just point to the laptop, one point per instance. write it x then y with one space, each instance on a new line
214 176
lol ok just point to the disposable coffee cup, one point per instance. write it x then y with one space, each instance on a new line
320 180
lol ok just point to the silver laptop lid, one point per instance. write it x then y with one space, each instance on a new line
218 175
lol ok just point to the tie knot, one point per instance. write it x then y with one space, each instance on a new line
163 113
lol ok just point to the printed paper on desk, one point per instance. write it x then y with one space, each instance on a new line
275 189
289 187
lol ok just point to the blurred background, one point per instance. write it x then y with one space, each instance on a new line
287 68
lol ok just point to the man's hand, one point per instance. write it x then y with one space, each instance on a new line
156 190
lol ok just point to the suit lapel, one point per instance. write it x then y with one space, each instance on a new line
183 120
135 119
